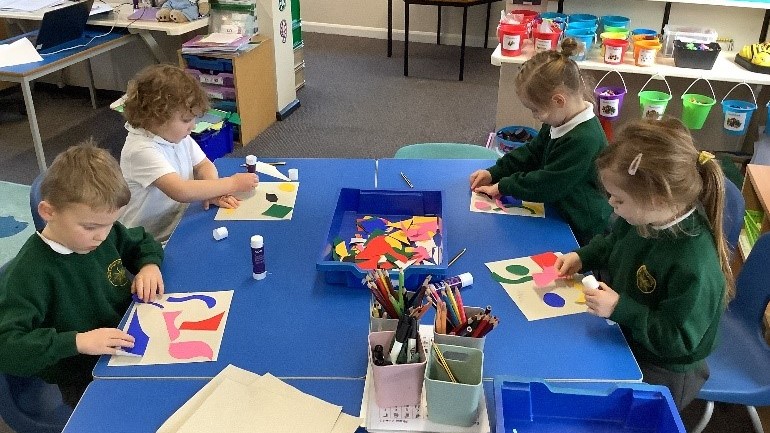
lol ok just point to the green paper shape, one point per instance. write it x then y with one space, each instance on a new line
517 269
501 279
277 210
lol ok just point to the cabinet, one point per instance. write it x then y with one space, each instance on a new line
254 82
756 192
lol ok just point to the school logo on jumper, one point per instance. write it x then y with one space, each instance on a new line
116 273
645 282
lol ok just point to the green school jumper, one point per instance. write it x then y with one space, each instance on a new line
47 297
671 288
560 171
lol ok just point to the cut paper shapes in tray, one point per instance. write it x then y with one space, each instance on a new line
535 287
269 201
176 328
506 205
391 242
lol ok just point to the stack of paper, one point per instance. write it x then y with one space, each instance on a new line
238 401
28 5
215 43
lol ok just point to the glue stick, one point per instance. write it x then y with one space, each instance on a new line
258 257
590 282
459 281
251 163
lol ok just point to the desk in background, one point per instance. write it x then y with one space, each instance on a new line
26 73
321 329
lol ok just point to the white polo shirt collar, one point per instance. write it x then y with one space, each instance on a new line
587 114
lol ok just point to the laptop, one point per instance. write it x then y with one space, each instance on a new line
62 25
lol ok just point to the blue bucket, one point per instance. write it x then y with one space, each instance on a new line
590 25
616 21
646 32
511 137
586 37
583 17
737 113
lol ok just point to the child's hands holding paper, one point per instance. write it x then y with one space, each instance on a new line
568 264
102 341
480 178
491 191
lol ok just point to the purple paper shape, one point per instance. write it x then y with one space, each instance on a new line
373 224
144 14
209 300
510 201
141 339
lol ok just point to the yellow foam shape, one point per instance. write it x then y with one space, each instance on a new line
287 186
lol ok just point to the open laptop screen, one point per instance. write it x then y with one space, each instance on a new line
63 25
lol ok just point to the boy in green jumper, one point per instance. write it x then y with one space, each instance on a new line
666 257
65 292
557 166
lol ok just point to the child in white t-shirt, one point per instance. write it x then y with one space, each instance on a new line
164 167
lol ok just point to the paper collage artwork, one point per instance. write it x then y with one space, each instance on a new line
535 286
177 328
506 205
380 243
268 201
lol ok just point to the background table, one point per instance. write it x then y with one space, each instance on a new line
26 73
293 324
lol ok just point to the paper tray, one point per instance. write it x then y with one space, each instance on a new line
390 204
533 406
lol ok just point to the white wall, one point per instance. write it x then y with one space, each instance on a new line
369 18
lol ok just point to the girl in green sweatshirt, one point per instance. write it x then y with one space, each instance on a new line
669 278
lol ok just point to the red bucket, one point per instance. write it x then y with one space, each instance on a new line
545 41
529 16
614 50
511 38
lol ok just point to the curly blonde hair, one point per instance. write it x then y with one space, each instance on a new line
85 174
158 92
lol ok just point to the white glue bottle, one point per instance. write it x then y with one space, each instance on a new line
590 282
258 257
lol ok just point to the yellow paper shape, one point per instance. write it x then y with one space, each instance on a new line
399 236
288 187
341 250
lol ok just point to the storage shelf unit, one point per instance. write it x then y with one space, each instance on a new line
756 192
254 82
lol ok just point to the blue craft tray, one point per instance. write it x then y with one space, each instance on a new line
392 205
528 406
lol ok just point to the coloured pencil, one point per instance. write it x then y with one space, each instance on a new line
442 362
460 306
406 179
456 256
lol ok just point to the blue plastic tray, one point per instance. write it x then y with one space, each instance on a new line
527 406
390 204
216 144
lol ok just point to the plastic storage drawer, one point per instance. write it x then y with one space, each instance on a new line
217 79
208 63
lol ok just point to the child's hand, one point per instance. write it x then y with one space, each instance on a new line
224 201
244 182
148 282
102 341
491 191
480 178
602 301
568 264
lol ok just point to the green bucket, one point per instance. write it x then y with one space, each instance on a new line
695 109
653 103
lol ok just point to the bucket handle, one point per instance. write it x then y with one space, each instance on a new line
714 96
657 75
608 73
742 84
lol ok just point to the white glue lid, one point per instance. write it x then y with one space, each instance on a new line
590 282
466 279
251 159
259 276
220 233
257 241
293 174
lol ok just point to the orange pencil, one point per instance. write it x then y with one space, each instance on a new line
460 305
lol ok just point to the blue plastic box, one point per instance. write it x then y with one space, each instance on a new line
216 144
208 63
527 406
391 204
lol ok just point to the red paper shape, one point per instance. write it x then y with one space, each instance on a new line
210 324
545 259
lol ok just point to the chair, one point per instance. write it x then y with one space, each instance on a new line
30 405
445 151
735 207
454 3
34 200
739 373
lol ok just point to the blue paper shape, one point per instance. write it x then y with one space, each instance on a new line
210 301
141 339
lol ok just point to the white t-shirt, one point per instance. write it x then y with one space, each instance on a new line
145 158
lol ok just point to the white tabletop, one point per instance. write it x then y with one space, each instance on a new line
118 18
725 68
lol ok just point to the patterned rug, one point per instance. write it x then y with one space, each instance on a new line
15 219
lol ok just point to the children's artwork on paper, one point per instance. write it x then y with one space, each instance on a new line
269 201
535 286
176 328
506 205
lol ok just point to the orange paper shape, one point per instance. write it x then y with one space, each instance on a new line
210 324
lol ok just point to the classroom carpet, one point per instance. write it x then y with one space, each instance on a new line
15 219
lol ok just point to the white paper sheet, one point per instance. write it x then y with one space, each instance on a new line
18 53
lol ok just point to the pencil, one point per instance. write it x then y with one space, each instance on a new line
457 256
277 163
406 179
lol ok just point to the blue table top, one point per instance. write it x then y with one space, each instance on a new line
294 324
573 347
48 59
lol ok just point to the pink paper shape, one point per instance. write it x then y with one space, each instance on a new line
548 276
190 349
169 317
482 205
